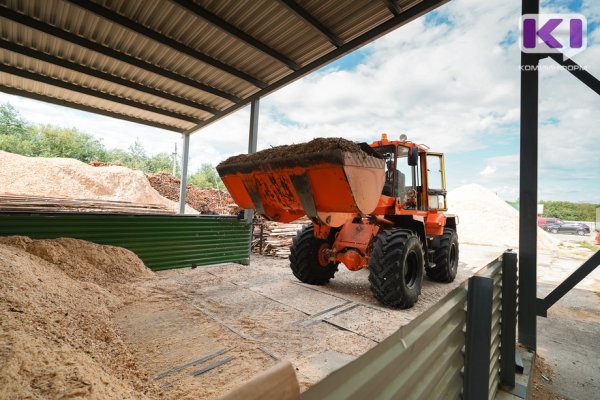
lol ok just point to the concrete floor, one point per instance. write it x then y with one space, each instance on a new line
569 341
261 314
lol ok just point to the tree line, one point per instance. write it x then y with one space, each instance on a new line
22 137
568 211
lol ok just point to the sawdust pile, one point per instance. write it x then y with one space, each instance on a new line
484 218
217 200
542 388
56 336
73 179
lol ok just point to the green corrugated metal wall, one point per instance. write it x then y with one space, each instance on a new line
161 241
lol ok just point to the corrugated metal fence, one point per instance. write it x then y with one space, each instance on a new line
494 271
422 360
161 241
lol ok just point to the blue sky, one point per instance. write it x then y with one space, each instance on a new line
449 80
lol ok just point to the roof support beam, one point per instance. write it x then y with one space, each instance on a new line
237 33
38 55
578 72
393 6
80 41
367 37
313 22
83 107
8 69
162 39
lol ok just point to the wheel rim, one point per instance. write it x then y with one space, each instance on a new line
321 256
554 231
412 269
580 233
453 258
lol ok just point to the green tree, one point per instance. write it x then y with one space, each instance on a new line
206 177
11 122
570 211
52 141
20 137
137 158
161 162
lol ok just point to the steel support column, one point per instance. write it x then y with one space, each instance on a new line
252 142
253 134
184 169
528 191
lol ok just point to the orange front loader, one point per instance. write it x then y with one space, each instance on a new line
377 206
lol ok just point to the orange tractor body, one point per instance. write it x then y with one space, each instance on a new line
363 200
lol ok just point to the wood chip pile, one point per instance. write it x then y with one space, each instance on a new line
105 164
277 237
217 200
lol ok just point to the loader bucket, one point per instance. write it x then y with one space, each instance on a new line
329 180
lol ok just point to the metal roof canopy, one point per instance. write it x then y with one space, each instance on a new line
180 64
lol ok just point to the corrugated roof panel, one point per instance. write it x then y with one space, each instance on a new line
348 18
75 97
50 45
66 75
75 20
178 23
272 24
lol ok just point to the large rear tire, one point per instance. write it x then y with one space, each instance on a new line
396 268
304 258
445 258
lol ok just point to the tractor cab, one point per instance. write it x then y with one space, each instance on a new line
404 178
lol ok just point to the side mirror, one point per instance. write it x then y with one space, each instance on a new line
413 156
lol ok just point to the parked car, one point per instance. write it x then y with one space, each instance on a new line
543 221
568 227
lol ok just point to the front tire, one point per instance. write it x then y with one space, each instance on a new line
305 261
396 268
554 230
581 232
445 258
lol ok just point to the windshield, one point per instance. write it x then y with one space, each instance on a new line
399 176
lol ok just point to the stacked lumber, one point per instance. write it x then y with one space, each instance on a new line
217 200
31 203
278 237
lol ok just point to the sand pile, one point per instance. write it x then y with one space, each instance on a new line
57 339
66 177
484 218
217 200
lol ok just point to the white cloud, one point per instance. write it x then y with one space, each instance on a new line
488 170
